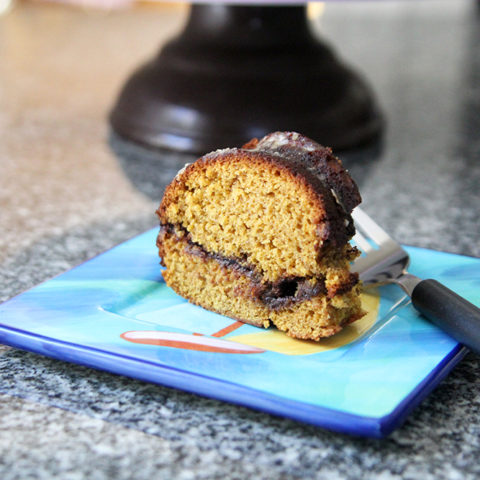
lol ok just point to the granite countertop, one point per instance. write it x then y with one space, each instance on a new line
69 190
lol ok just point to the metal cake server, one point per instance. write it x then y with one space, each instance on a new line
385 261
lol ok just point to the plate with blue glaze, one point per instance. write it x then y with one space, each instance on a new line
115 313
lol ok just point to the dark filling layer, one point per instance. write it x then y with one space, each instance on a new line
288 291
275 295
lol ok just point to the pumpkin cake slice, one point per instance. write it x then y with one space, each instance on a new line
261 234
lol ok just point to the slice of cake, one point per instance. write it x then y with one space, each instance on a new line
260 234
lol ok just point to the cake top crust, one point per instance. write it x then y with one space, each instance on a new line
305 154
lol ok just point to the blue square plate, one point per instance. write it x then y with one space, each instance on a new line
115 313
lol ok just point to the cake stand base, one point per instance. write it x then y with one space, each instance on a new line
237 72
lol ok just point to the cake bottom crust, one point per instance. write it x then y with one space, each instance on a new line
217 287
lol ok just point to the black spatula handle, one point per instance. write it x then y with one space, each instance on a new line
450 312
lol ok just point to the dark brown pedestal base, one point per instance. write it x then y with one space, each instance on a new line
241 72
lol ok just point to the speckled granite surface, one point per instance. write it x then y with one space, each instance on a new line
69 191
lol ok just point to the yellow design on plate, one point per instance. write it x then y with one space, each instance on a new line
277 341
